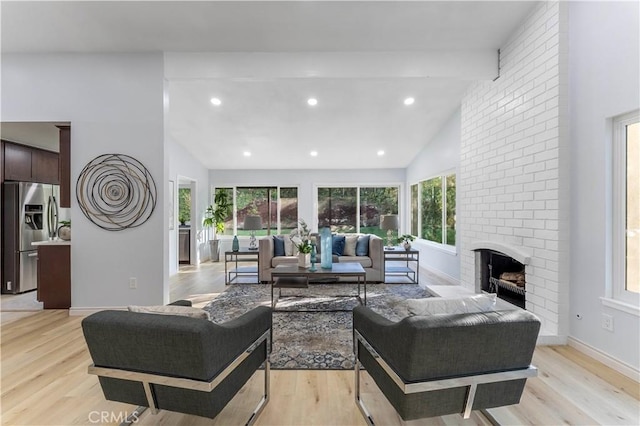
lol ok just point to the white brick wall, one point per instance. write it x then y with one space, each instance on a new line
513 185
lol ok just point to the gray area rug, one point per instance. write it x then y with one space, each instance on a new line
313 340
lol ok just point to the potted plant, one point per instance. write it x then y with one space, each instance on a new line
214 217
301 238
64 231
406 241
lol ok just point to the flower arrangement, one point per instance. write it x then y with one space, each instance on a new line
300 237
406 238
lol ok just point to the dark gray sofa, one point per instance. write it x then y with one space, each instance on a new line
451 349
171 347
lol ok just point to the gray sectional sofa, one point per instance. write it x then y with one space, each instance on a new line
372 261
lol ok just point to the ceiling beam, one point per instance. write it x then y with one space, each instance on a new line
477 64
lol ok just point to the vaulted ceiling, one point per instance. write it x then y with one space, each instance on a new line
264 59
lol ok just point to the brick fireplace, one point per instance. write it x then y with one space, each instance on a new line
513 185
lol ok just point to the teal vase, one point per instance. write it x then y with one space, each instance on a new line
326 252
314 257
235 246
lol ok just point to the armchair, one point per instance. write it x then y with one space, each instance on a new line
176 363
448 363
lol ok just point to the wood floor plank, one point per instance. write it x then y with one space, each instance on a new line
43 361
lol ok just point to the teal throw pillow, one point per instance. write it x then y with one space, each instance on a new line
278 246
338 244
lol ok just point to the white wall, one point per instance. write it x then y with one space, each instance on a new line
307 181
603 76
114 103
441 154
182 163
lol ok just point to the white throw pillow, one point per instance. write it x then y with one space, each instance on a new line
461 305
350 242
288 245
185 311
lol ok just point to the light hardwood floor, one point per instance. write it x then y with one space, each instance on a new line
44 382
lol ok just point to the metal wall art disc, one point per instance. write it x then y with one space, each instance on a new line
116 192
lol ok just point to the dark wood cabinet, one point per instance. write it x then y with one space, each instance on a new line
17 162
65 166
54 276
44 167
27 164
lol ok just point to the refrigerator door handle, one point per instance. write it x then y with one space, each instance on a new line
32 255
52 217
55 207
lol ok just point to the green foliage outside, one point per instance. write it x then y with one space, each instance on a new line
184 205
451 210
431 198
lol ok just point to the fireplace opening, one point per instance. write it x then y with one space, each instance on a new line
505 276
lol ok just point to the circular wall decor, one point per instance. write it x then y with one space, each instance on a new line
116 192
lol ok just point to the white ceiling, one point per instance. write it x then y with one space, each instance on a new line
264 59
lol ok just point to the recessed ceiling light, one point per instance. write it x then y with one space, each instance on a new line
380 153
409 101
216 101
312 101
314 153
247 153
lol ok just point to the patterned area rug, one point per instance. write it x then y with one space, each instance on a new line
313 340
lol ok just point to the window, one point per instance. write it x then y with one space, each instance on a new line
433 209
375 202
277 207
356 209
288 210
184 205
626 208
414 209
337 209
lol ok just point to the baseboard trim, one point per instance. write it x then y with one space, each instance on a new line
620 366
82 312
551 340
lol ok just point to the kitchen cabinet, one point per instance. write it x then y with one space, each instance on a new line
26 164
184 246
54 275
65 165
44 167
17 162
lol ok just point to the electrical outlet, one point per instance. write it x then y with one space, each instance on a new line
9 285
133 283
607 322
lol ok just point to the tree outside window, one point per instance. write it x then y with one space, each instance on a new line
184 205
432 209
337 209
374 203
288 210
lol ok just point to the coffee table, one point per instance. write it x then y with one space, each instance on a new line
293 276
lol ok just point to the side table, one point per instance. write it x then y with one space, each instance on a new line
236 259
407 257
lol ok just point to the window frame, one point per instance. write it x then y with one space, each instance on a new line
618 291
442 245
234 212
399 186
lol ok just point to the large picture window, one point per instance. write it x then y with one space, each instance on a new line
433 209
276 206
626 208
356 209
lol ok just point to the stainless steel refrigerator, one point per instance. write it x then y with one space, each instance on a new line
29 214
